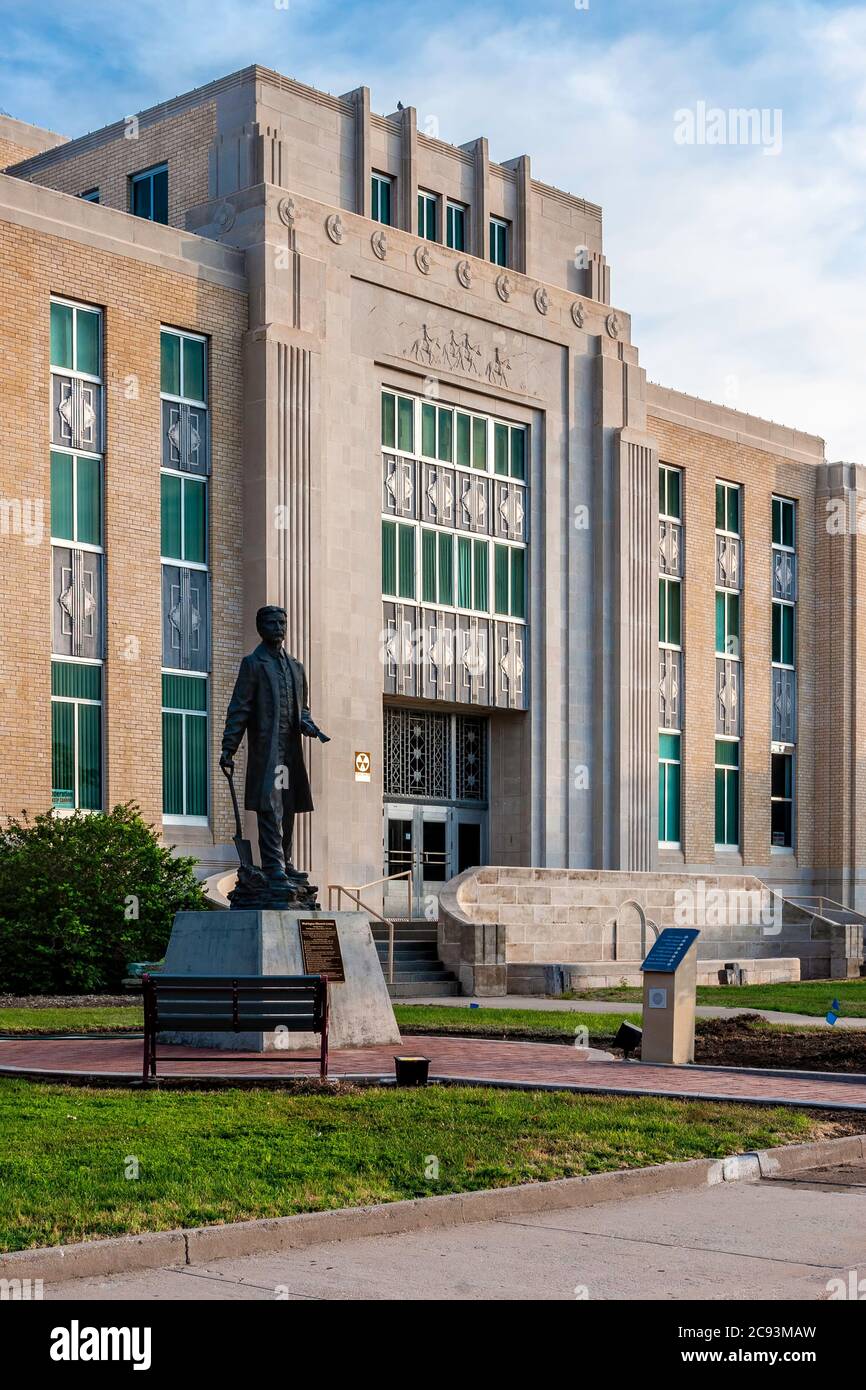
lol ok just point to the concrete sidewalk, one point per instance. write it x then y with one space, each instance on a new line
771 1239
603 1006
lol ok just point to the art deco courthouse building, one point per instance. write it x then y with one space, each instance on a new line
259 344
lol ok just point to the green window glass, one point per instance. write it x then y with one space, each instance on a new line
381 199
518 583
479 549
500 579
446 568
194 522
670 621
669 788
428 430
61 336
427 216
76 735
669 492
446 431
782 800
171 499
184 746
498 241
389 420
169 363
783 522
728 507
89 499
783 634
193 369
406 424
406 549
464 572
389 557
87 341
500 449
456 227
479 443
62 497
464 440
727 793
727 623
429 587
518 453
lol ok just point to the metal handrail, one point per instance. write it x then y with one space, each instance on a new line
820 899
340 889
374 883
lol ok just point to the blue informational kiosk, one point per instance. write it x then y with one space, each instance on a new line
669 984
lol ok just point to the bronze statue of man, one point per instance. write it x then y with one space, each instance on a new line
269 705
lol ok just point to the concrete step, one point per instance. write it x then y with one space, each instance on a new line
421 989
440 974
412 950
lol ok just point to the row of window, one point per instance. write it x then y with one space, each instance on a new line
148 194
430 207
727 793
437 567
420 428
728 527
77 510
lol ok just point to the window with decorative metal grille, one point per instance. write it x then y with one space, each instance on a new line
435 757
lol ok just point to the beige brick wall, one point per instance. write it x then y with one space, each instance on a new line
11 153
136 299
181 141
704 457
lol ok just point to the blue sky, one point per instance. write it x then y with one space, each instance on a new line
742 270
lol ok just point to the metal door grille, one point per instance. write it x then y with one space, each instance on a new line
438 757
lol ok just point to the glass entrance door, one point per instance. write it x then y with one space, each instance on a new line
431 844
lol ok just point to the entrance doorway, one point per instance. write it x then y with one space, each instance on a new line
431 844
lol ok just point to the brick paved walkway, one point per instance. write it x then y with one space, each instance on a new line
519 1063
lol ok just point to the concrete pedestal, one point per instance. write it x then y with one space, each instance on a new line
269 943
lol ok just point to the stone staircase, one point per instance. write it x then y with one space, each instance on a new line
418 971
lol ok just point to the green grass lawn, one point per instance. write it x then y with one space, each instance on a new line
806 997
209 1157
107 1020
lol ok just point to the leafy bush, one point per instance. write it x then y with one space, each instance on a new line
81 895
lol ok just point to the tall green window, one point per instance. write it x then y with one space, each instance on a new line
76 735
728 508
670 769
381 190
184 746
398 560
670 492
182 366
428 216
479 443
727 623
437 567
727 793
509 581
455 226
784 524
509 450
148 194
782 800
184 519
498 241
75 338
472 567
437 432
76 498
783 634
670 612
398 422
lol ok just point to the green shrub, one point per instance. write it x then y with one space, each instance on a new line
81 895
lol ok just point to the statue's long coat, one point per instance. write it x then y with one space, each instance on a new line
254 710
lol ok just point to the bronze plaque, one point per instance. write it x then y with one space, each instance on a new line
320 946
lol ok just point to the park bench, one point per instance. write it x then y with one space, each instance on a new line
234 1004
